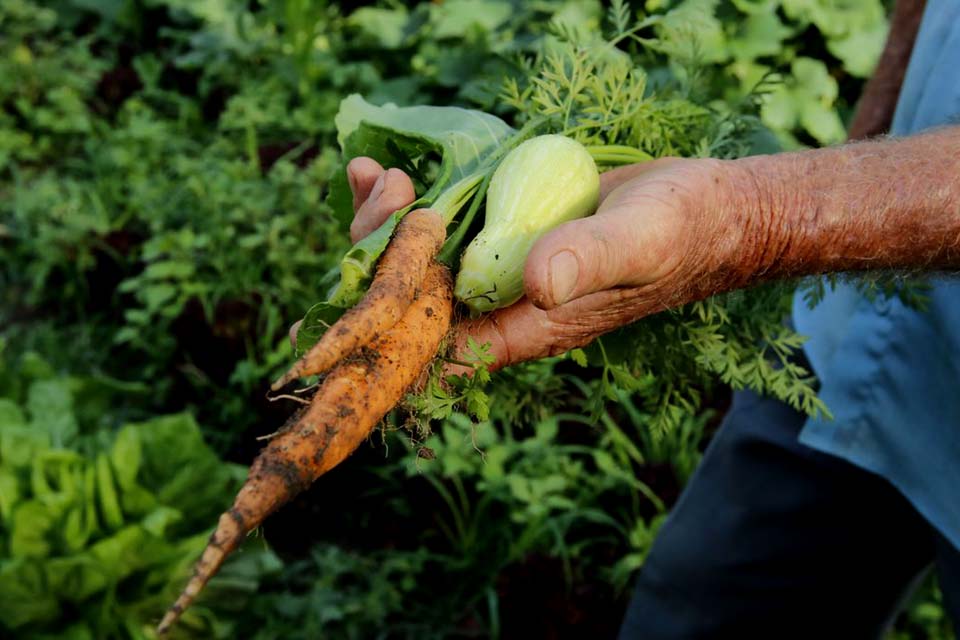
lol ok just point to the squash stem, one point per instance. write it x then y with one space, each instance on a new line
615 155
449 203
449 252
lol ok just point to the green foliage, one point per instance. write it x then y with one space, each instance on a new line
925 616
339 593
152 220
498 494
99 525
47 78
443 394
756 41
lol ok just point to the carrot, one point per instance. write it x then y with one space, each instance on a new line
353 398
417 240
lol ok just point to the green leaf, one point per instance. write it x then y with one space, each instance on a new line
755 7
855 31
24 594
807 98
156 296
160 519
126 551
860 49
11 415
462 137
50 404
9 493
780 110
579 356
692 32
19 446
32 526
822 122
169 269
387 28
761 34
182 472
457 18
125 456
109 501
76 577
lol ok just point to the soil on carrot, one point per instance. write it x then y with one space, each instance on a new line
365 355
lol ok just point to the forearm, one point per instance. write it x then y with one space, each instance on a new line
890 204
876 106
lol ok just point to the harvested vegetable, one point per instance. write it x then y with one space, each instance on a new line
544 182
400 272
353 398
471 145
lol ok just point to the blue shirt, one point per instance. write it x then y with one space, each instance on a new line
889 374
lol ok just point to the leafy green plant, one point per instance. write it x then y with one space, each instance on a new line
337 592
98 524
798 51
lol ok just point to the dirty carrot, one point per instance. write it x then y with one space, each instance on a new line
417 240
353 398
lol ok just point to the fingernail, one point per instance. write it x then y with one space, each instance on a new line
294 328
564 271
377 188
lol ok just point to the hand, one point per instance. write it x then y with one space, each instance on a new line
665 234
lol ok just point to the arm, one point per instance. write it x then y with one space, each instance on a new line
673 231
875 109
892 204
681 230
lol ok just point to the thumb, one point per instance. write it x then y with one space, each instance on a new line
635 238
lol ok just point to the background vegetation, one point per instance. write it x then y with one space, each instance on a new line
163 169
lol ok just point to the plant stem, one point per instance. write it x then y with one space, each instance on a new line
449 203
615 155
478 182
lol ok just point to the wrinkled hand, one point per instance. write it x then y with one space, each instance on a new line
666 233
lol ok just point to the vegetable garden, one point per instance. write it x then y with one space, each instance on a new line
173 196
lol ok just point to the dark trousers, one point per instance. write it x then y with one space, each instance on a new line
772 539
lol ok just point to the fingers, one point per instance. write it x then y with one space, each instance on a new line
362 174
610 180
511 334
525 332
391 191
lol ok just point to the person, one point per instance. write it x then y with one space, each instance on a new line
791 527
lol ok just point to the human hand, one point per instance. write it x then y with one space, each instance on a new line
666 233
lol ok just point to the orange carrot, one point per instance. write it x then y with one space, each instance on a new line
349 404
417 240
